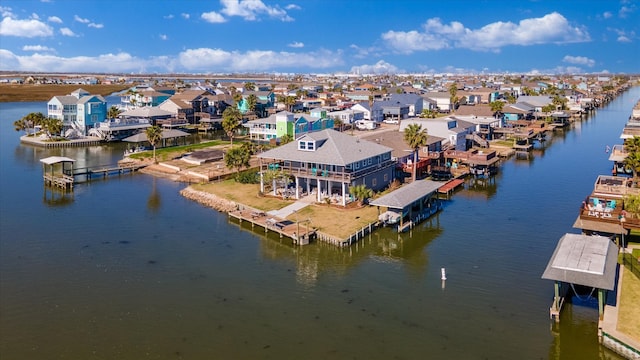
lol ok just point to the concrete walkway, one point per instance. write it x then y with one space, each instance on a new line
290 209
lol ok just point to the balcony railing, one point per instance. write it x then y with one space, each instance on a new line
320 173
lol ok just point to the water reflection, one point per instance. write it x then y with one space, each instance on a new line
54 196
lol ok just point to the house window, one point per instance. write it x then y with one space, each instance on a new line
374 182
386 177
302 145
357 165
310 145
370 161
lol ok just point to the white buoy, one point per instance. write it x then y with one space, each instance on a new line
444 275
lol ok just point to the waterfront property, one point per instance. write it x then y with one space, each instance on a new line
79 111
286 123
589 261
409 204
327 163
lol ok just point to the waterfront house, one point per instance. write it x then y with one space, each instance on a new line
327 163
286 123
453 131
190 105
347 116
79 111
265 100
404 155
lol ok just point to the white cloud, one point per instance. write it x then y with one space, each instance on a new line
213 17
206 59
67 32
163 37
623 38
626 10
121 62
250 9
293 7
296 44
200 60
37 48
6 12
551 28
185 16
381 67
94 25
81 20
170 16
607 14
54 19
579 60
35 16
24 28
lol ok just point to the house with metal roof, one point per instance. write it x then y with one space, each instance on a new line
327 163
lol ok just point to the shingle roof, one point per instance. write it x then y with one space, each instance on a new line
333 147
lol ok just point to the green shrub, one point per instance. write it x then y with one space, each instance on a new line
248 177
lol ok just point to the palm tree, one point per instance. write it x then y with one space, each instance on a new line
252 101
249 86
237 157
496 107
453 99
361 192
52 126
289 101
113 112
632 161
21 125
416 137
231 121
285 139
154 135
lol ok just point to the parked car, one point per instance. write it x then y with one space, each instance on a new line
391 121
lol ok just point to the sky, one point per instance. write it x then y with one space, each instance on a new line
321 36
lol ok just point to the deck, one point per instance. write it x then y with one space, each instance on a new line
450 185
299 232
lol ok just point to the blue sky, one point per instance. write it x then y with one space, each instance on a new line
320 36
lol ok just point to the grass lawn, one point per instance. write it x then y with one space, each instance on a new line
44 92
171 152
336 221
332 220
246 194
629 311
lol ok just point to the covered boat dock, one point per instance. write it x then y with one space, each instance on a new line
589 261
409 204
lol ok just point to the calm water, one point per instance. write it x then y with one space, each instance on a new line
125 268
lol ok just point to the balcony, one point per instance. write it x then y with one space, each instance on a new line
319 173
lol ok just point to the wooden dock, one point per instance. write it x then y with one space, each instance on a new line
104 171
450 185
299 232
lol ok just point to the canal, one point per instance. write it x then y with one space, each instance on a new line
126 268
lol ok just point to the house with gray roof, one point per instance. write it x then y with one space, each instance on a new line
79 111
327 163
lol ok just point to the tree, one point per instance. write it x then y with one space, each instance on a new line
29 121
113 112
154 135
249 86
361 192
52 126
632 161
237 158
252 101
231 121
428 114
416 137
453 91
496 108
290 101
285 139
337 122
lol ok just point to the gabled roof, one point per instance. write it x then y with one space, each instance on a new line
395 140
332 147
88 98
66 99
584 260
